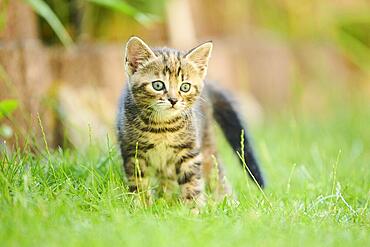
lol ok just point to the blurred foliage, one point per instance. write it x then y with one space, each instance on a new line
3 13
125 8
354 37
347 24
7 107
42 9
95 19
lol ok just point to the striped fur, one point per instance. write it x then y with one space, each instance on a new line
168 142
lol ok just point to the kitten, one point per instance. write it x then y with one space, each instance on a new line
164 122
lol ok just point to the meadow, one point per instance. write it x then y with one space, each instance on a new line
317 168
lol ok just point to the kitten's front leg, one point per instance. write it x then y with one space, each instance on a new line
135 169
190 178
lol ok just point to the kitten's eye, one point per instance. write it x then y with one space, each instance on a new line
158 85
185 87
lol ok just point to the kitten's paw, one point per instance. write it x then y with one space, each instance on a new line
195 211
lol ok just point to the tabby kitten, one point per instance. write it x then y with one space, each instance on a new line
164 122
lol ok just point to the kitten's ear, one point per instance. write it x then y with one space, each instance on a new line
200 55
137 53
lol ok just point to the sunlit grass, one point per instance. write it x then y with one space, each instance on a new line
318 186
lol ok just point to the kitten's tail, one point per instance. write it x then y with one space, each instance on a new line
227 117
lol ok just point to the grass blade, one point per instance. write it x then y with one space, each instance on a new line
41 8
125 8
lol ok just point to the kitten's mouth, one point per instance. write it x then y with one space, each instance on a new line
172 108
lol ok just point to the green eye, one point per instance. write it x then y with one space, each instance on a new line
185 87
158 85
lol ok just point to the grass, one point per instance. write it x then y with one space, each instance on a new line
318 185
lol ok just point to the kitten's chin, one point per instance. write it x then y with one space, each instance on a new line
169 113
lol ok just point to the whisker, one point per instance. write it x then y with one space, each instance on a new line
200 97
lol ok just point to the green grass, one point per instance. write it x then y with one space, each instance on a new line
318 172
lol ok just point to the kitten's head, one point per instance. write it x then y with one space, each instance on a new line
165 81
